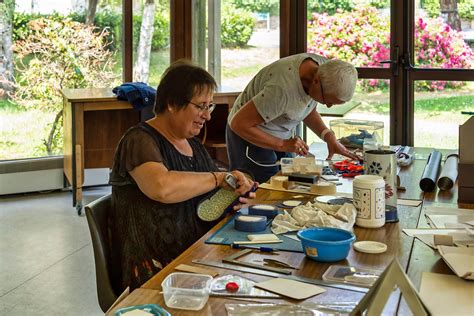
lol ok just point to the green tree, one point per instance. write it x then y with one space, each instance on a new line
380 4
432 7
263 6
330 6
237 26
6 56
466 9
141 68
58 55
91 10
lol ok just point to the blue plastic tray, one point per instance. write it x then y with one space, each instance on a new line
227 234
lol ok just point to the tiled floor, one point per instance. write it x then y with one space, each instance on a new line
46 256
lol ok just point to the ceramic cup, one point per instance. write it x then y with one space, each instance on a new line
369 200
383 163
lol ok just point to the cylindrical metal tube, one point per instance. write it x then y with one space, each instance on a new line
449 173
430 174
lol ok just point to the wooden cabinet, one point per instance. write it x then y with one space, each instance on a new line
94 122
213 135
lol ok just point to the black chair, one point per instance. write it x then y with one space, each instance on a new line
98 214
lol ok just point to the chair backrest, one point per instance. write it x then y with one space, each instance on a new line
98 213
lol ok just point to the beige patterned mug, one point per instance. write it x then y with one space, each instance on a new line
369 200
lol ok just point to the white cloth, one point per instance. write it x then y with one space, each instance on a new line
314 215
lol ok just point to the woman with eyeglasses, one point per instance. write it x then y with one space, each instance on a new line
161 172
262 123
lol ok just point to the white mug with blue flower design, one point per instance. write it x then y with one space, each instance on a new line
383 163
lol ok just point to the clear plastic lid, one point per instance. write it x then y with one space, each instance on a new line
351 275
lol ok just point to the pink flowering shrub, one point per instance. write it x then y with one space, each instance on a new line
349 36
437 45
362 37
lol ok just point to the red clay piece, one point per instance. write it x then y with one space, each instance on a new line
232 287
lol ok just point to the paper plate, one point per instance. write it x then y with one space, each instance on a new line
370 246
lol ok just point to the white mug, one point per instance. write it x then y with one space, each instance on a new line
382 162
368 193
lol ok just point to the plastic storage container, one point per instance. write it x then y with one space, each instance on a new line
302 165
351 275
186 290
351 133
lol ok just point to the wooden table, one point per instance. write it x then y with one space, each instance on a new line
95 120
413 255
399 245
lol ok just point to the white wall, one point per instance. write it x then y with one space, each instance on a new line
43 180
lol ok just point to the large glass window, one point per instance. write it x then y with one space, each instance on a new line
60 44
428 48
251 44
438 115
444 40
357 32
444 34
55 45
243 37
367 105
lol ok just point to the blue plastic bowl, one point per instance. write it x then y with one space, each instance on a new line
326 244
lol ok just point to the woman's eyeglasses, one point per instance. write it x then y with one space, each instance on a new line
203 107
322 92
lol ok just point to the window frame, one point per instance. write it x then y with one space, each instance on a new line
401 73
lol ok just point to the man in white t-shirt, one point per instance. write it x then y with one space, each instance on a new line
261 125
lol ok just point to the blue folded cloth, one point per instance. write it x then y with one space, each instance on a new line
139 94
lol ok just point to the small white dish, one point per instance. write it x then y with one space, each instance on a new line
370 246
291 203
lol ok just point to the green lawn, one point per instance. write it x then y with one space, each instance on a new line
241 72
22 132
433 107
437 120
446 104
160 60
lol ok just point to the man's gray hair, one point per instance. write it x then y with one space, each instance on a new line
338 78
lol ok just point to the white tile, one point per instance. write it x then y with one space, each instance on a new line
66 288
46 262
